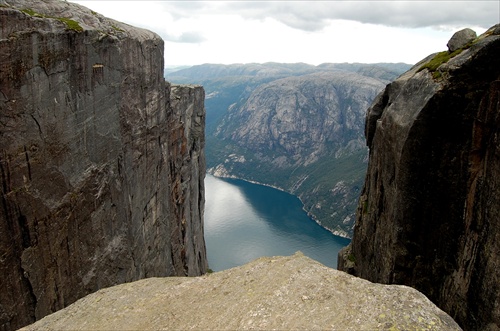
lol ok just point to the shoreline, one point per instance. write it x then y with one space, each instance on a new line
310 215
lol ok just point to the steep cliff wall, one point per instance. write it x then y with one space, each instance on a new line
304 134
295 126
186 161
429 213
101 161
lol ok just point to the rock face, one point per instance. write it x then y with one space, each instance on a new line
304 134
294 126
429 213
279 293
101 160
296 119
186 170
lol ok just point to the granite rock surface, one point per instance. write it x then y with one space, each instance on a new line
303 134
101 160
429 213
460 39
275 293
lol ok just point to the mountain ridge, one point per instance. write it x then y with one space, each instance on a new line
288 125
212 71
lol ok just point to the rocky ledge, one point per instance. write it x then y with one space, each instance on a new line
292 292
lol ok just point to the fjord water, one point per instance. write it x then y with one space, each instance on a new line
244 221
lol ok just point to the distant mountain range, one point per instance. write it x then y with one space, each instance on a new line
297 127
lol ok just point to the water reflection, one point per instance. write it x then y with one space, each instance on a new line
244 221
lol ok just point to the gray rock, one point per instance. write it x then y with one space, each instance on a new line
428 214
101 174
297 117
186 159
289 126
277 293
460 39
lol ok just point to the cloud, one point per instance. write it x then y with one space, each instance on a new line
315 15
301 31
418 14
190 37
308 16
300 15
163 17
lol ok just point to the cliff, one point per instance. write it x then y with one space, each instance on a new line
101 160
298 127
278 293
304 135
429 213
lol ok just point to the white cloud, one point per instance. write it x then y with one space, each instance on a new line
315 15
189 37
301 31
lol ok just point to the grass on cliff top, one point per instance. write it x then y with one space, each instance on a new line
70 24
440 58
117 28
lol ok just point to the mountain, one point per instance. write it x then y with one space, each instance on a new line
272 293
429 212
101 161
294 126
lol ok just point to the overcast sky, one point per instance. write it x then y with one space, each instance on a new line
313 32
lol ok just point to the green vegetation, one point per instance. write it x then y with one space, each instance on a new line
440 58
70 24
365 207
31 12
351 258
117 28
437 60
317 179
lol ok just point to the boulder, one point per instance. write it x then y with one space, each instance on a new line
460 39
283 293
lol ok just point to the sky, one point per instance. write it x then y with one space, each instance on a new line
313 32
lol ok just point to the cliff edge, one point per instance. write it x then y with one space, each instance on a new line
101 160
429 213
276 293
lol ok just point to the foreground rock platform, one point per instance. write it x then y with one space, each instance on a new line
293 292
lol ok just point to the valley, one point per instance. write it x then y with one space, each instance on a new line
297 127
104 184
